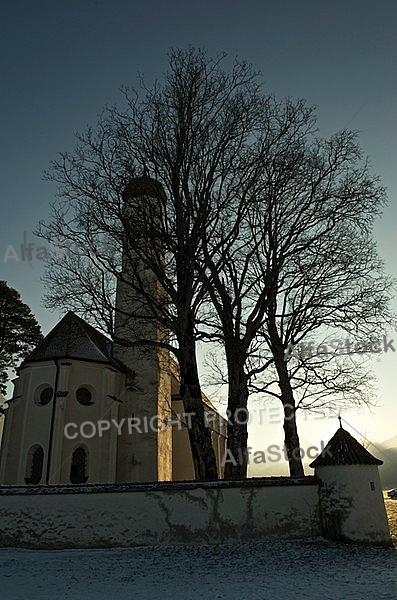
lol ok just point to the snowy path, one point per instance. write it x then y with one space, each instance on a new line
296 570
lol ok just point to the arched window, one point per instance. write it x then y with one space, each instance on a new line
34 465
78 467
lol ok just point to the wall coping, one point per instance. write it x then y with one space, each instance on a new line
157 486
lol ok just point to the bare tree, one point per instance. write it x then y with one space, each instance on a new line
193 130
330 274
261 237
304 262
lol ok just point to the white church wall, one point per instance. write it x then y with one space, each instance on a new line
160 513
101 450
28 423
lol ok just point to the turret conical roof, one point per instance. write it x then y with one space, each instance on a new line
344 449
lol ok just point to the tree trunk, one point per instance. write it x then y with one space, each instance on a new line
236 459
291 440
199 434
291 437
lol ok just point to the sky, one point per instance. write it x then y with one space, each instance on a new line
62 62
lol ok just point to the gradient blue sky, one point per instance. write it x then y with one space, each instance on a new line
61 62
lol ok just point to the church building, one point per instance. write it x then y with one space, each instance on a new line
75 419
89 410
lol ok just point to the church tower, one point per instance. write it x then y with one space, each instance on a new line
145 446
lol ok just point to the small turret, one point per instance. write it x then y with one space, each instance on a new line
351 499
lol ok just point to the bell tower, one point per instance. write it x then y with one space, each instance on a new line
144 447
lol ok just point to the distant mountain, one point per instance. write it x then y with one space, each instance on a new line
390 443
386 451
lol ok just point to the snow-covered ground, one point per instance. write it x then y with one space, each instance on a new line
273 570
296 570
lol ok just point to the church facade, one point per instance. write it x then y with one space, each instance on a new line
75 417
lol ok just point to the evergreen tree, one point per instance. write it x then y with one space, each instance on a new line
19 331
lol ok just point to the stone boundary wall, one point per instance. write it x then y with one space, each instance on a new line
95 516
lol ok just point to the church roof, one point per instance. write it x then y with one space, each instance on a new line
344 449
72 337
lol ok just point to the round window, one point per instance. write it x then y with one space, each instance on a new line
84 396
44 397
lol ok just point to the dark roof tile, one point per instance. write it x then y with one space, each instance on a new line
344 449
72 337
